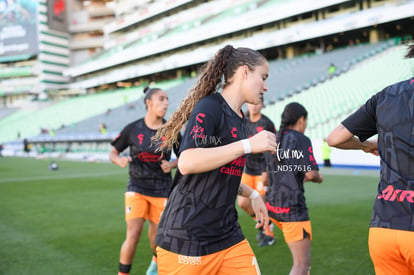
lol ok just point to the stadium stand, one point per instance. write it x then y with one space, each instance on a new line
209 23
122 115
329 103
63 115
293 76
4 112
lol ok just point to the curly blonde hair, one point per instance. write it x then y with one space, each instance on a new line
221 67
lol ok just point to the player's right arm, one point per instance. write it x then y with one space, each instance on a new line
119 144
199 160
342 138
117 159
354 131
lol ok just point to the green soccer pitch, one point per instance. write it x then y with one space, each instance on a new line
71 221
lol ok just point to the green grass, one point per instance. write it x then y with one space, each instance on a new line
71 221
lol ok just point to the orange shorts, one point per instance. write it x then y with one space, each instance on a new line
254 182
141 206
391 251
294 231
238 259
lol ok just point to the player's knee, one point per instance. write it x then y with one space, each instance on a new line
133 236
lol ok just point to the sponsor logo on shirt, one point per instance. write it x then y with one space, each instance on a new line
277 209
236 167
391 194
148 157
140 138
197 132
259 129
311 157
200 116
233 132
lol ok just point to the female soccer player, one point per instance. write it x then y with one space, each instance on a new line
288 168
198 232
149 175
254 174
390 114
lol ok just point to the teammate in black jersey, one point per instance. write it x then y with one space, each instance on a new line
254 174
198 232
390 114
288 168
149 175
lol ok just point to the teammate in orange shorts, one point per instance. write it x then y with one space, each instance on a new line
149 176
288 168
390 114
198 232
254 174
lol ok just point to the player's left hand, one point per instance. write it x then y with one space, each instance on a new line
166 166
259 208
370 146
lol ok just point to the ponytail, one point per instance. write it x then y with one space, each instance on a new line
279 134
290 115
208 83
221 68
149 92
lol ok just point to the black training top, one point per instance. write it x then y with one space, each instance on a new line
285 198
200 217
145 174
255 162
390 114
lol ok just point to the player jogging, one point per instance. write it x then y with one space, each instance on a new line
390 114
198 232
254 174
288 168
149 176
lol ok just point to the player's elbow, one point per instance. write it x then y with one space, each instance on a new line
338 136
332 140
185 165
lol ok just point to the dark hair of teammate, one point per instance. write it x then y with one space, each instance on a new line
290 115
222 66
149 92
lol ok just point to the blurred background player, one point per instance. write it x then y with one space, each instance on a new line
198 232
390 114
149 176
288 168
254 174
326 153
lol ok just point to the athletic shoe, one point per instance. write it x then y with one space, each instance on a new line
267 241
260 235
152 269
